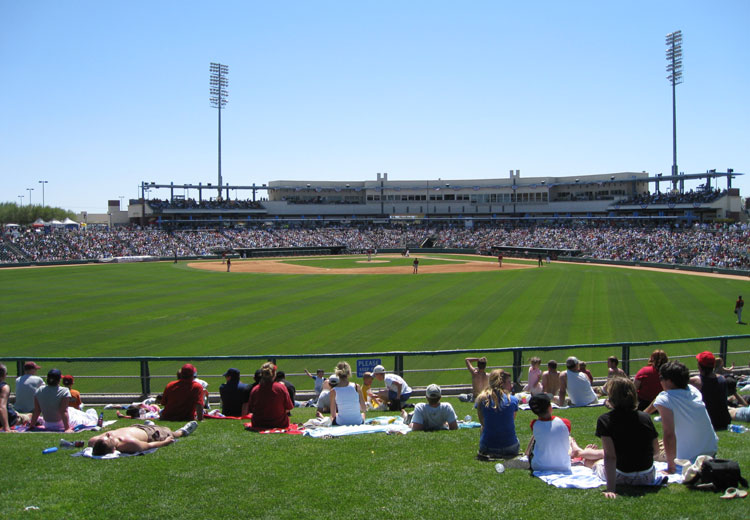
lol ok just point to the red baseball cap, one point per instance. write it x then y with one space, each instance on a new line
188 371
31 365
706 359
68 379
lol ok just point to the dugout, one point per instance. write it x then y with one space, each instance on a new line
533 252
248 252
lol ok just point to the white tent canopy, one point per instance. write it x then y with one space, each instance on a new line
69 223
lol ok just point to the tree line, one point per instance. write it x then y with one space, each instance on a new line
11 212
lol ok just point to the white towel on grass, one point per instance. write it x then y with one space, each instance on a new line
89 453
582 477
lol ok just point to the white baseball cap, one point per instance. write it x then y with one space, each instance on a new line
379 369
433 391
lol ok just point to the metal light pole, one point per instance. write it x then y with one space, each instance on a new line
20 197
43 183
219 94
674 68
29 190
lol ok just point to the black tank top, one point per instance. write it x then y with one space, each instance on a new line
714 390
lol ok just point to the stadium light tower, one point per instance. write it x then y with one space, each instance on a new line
29 190
219 94
43 183
674 69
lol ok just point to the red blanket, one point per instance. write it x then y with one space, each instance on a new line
293 429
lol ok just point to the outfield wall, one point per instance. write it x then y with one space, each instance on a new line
143 376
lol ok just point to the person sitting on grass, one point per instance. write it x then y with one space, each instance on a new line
324 401
371 400
234 394
432 415
51 404
713 388
8 415
582 368
281 378
347 404
496 409
577 384
75 395
534 383
629 440
551 380
396 391
479 378
687 428
551 447
270 401
183 398
319 378
137 438
735 399
613 369
647 381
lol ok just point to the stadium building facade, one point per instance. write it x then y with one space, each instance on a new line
604 196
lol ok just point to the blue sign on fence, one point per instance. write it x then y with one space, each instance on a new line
366 365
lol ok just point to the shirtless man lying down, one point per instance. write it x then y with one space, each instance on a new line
137 438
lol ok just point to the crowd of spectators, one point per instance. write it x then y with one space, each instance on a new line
689 197
157 204
700 245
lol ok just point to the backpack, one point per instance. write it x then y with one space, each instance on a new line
721 473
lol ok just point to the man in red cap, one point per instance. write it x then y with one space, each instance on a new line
26 387
714 391
183 399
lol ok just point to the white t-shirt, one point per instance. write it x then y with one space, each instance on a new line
434 418
347 405
692 426
551 445
579 389
390 379
26 387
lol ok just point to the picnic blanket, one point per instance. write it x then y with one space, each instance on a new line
582 477
383 424
216 414
41 429
292 429
89 454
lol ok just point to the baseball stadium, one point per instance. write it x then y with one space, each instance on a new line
367 314
212 283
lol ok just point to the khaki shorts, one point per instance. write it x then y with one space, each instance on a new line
155 433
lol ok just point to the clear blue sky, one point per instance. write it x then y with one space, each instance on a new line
98 96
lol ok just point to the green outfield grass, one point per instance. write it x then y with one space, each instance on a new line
171 309
224 472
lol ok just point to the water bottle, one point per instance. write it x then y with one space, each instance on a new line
737 428
101 420
70 445
53 449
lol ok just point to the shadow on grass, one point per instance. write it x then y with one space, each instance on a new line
638 491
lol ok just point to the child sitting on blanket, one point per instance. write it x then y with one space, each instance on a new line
534 384
551 447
